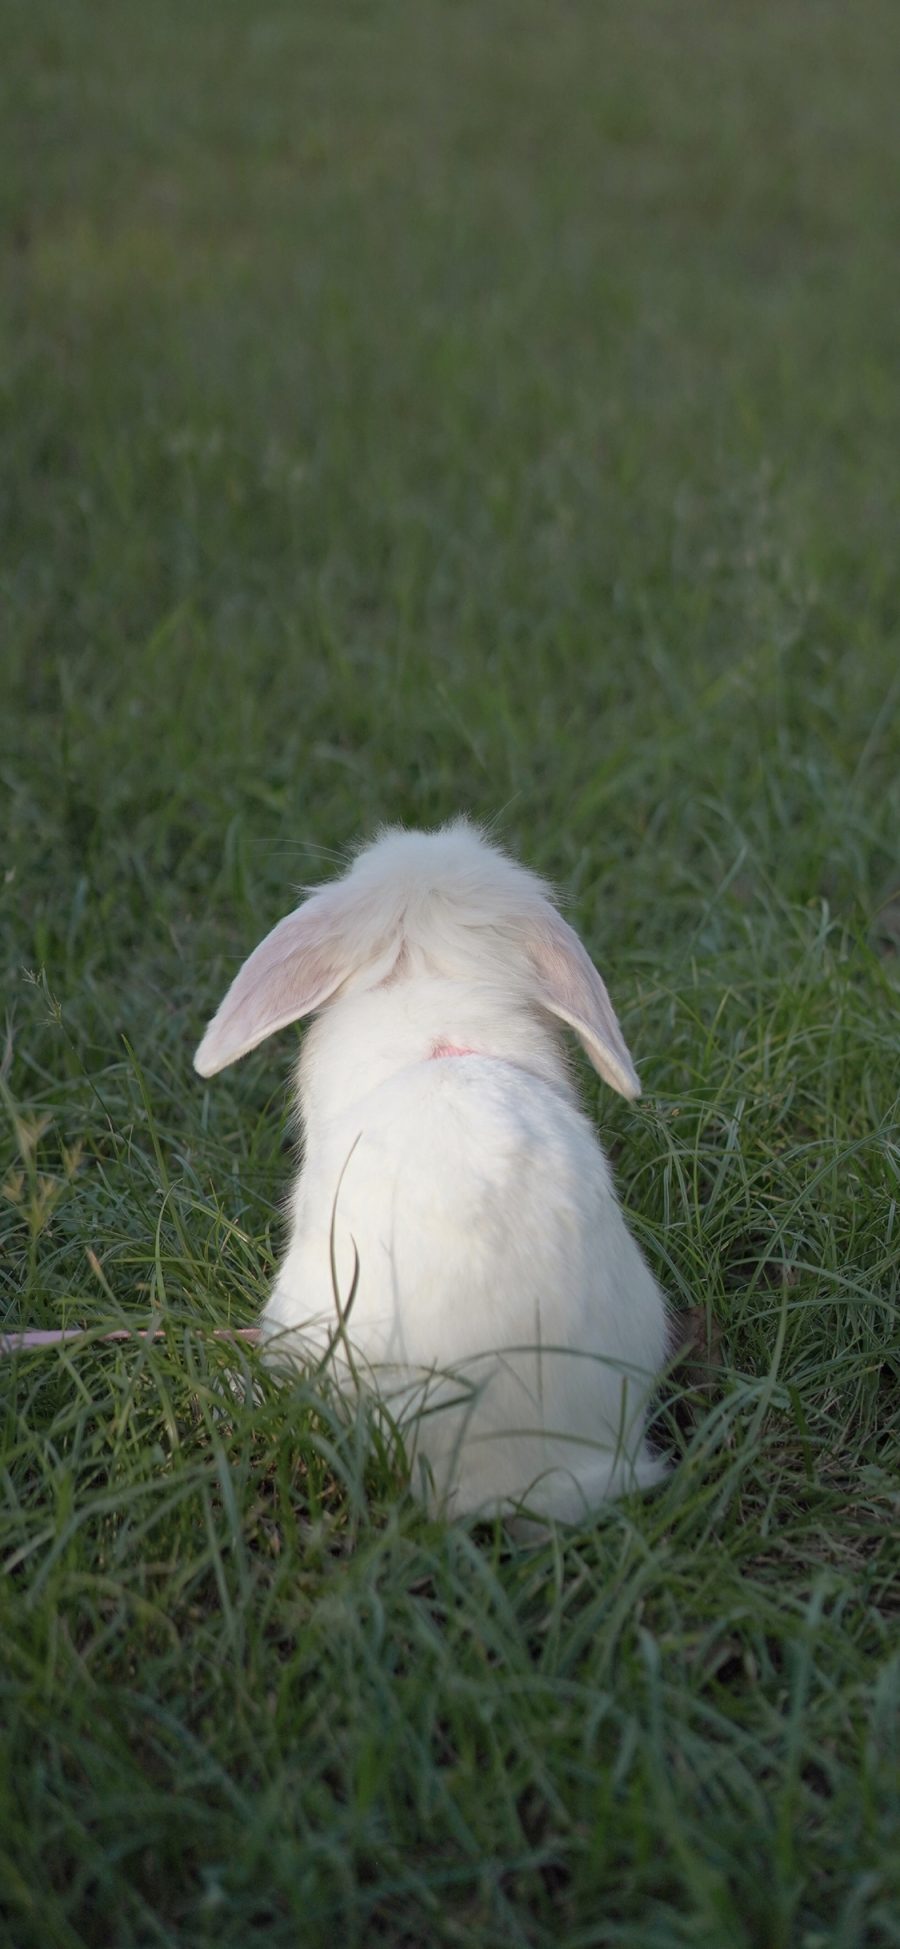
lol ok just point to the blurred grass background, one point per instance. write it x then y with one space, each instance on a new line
406 409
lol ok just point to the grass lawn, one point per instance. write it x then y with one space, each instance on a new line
405 409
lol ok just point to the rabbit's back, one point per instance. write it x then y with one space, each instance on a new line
490 1243
458 1177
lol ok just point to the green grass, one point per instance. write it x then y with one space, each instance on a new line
408 409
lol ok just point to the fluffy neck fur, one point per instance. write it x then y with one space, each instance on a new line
366 1037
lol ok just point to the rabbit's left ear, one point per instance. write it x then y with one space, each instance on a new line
570 987
294 970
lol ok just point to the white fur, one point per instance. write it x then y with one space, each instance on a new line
501 1306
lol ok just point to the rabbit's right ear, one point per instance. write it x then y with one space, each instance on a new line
295 969
570 987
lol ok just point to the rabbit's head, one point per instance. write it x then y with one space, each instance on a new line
413 904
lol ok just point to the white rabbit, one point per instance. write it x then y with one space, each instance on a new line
455 1237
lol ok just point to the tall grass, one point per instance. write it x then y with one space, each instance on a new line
405 410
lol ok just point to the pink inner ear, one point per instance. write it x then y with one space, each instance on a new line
573 991
294 970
